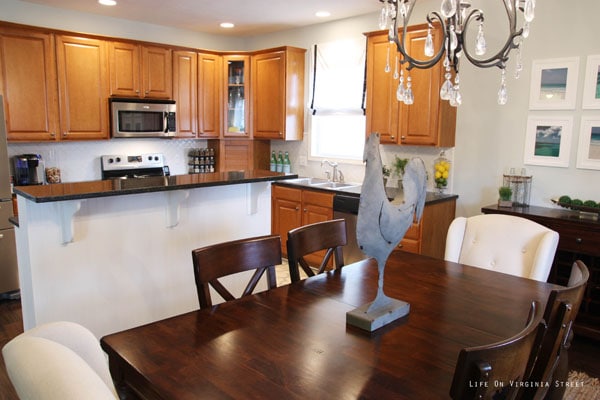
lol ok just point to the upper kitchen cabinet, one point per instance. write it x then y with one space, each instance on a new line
236 92
140 70
210 72
429 121
277 86
83 87
185 72
28 84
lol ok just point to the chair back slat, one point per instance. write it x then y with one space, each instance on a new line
260 254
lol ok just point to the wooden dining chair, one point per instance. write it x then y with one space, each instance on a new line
551 363
308 239
486 372
261 254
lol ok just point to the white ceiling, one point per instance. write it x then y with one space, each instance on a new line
251 17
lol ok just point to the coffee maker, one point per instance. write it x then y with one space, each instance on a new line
29 169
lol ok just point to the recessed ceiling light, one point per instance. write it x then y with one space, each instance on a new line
323 14
108 2
227 25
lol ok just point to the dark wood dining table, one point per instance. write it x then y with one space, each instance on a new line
293 342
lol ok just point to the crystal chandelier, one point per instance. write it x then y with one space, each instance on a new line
454 18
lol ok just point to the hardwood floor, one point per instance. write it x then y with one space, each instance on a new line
583 355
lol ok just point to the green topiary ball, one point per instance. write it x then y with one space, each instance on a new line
590 203
564 199
577 202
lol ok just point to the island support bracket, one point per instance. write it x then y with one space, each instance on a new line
253 190
174 200
66 211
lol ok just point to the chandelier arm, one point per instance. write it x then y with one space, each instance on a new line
501 57
401 47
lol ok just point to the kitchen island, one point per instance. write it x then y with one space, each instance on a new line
114 254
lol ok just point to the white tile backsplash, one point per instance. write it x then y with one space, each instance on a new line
80 161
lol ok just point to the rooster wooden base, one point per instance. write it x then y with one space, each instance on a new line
380 226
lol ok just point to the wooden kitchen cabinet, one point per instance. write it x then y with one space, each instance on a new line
236 90
210 73
293 207
28 84
579 239
185 75
430 121
277 82
139 70
83 87
243 155
428 237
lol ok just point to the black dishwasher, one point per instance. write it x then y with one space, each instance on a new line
346 206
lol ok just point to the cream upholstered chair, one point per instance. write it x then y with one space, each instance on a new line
58 360
502 243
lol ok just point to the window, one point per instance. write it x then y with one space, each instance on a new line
338 121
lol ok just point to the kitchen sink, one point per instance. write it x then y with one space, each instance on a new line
322 183
334 185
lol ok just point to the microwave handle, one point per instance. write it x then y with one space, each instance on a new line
165 121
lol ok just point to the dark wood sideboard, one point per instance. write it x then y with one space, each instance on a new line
579 240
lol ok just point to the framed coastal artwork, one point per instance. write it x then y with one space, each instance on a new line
588 152
591 87
554 84
548 141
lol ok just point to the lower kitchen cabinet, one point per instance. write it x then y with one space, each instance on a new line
428 236
292 207
579 239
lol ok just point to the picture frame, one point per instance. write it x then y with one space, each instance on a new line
591 88
554 84
548 140
588 150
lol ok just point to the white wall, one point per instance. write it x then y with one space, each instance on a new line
489 140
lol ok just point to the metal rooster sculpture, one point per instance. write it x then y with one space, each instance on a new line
380 227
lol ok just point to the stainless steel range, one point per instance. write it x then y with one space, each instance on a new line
133 166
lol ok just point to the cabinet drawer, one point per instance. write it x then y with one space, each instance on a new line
317 198
578 239
287 193
409 245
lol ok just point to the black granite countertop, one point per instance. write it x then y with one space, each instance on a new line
119 187
431 197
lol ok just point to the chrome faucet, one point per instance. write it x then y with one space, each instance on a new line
336 175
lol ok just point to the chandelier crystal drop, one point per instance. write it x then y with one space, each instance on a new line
454 18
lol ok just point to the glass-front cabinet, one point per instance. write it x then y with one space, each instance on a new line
236 91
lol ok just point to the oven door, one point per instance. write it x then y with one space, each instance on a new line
134 119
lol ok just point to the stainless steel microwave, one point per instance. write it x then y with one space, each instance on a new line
135 118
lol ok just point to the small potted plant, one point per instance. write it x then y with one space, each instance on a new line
386 173
505 194
399 165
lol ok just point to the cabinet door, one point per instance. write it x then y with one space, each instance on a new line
268 95
236 91
28 85
83 87
421 121
124 65
286 212
209 95
316 206
382 106
185 92
157 73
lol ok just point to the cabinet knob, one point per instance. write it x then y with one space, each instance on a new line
65 134
305 210
402 137
280 133
52 134
579 240
297 208
393 137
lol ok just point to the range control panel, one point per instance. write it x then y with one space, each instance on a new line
127 162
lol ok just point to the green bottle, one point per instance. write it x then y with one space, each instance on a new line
280 162
273 166
287 167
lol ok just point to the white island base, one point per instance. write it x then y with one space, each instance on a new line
113 263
